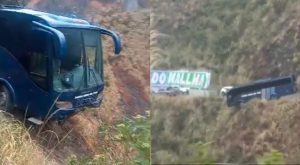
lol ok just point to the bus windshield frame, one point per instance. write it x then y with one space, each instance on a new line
82 66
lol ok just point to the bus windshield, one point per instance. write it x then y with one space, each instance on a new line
82 64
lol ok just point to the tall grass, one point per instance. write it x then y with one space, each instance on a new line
202 130
182 129
16 145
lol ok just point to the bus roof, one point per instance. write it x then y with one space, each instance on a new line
50 19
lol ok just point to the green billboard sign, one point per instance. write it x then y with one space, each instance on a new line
193 79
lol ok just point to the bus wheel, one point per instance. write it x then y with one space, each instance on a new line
5 99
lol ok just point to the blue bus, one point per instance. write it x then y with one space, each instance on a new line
266 89
50 66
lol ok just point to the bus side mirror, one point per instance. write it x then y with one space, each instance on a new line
59 39
116 38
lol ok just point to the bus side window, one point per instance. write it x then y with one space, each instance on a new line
3 35
38 70
38 62
37 55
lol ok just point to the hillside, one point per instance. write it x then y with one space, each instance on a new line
238 41
205 130
234 39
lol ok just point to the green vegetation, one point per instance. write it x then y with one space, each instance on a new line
132 135
203 155
273 157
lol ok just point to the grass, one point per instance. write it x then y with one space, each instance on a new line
273 157
198 130
17 146
125 141
131 137
183 129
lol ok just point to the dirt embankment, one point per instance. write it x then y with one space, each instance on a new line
132 70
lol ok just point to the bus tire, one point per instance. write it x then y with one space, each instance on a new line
5 99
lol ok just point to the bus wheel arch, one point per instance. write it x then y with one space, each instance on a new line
5 88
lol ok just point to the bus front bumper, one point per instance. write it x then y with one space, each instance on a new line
63 113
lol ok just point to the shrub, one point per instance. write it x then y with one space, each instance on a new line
269 158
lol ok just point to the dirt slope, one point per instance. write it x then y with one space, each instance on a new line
132 71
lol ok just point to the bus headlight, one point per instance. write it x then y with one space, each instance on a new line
64 104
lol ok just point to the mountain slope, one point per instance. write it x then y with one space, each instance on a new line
234 39
239 41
